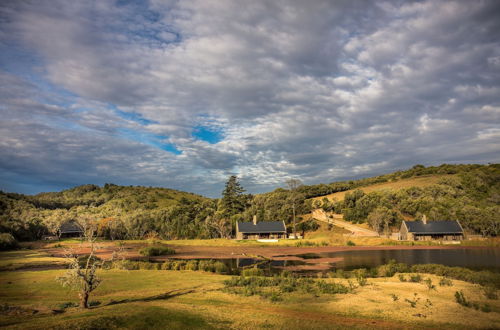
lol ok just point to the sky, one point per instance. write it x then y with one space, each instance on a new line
183 94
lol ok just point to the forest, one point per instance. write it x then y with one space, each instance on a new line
471 195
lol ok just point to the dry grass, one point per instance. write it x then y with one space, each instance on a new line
194 300
422 181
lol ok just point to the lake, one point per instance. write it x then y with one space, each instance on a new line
484 258
473 258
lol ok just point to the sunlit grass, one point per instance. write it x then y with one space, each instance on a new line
190 299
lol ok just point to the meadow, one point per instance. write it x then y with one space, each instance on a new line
183 299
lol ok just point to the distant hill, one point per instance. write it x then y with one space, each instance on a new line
469 193
118 211
417 182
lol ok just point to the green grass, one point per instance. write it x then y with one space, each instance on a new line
19 259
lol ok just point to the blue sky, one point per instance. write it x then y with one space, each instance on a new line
183 94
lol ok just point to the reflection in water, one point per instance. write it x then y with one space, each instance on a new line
488 258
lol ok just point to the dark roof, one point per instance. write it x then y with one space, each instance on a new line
70 227
261 227
434 227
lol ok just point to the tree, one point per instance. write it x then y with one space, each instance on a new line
82 274
233 201
380 219
295 197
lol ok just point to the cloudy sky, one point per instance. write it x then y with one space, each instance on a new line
182 94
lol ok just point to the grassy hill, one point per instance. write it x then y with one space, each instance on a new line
469 193
418 182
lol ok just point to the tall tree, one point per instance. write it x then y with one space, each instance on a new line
293 185
233 200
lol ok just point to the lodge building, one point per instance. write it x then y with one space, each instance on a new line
260 230
423 230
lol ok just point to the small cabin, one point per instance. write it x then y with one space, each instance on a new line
423 230
70 229
260 230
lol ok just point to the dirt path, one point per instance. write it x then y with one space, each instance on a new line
320 215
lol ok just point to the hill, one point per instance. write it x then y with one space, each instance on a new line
418 182
118 211
469 193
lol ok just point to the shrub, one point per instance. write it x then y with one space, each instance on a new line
151 251
192 265
413 302
486 308
461 300
67 305
167 265
394 297
429 284
206 265
402 278
350 243
415 278
490 292
361 276
483 277
220 267
7 242
83 259
331 288
94 303
254 271
391 268
445 282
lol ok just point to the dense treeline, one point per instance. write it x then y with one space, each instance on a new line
120 212
416 171
472 196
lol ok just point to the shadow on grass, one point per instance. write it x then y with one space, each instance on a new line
163 296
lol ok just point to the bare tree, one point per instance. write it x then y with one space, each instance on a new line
220 223
293 185
81 275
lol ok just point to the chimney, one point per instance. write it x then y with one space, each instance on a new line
424 219
254 219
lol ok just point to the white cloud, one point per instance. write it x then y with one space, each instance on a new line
319 90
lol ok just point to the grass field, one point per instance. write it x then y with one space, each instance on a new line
422 181
185 299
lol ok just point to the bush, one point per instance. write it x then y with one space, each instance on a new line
461 300
415 278
167 265
254 271
490 292
483 277
206 265
394 297
361 276
220 267
331 288
151 251
67 305
429 284
7 242
94 303
402 278
192 265
445 282
83 259
350 243
391 268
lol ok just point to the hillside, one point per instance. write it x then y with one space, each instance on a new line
418 182
118 211
468 193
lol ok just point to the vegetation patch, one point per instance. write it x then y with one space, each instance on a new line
275 287
153 251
